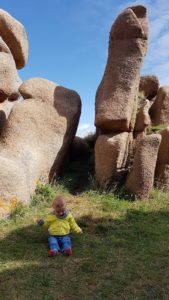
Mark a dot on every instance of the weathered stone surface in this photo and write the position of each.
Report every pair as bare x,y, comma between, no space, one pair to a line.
137,137
16,95
67,104
8,74
162,166
36,135
149,86
38,88
163,153
5,109
14,35
162,176
159,110
7,105
117,91
140,180
143,118
111,157
13,178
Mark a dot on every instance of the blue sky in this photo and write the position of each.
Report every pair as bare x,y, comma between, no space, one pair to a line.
68,42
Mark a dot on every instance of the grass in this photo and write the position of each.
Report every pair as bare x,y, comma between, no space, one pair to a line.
156,128
123,253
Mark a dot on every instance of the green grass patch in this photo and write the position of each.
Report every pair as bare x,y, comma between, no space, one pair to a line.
123,253
156,129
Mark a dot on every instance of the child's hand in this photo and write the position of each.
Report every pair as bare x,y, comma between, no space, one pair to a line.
81,231
40,222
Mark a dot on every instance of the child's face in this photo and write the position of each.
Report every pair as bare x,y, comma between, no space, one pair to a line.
59,207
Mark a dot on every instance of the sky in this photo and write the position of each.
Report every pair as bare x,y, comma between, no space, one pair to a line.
68,43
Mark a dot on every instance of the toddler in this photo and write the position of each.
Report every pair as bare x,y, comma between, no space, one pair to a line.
59,223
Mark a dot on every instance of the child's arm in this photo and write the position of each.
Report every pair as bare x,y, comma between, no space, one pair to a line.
73,225
46,223
40,222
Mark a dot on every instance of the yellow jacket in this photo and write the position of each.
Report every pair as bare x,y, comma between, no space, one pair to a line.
61,226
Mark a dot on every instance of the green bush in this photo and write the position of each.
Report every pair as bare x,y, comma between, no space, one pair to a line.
44,194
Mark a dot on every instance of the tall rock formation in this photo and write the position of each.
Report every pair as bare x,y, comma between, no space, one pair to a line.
116,96
112,158
141,178
117,92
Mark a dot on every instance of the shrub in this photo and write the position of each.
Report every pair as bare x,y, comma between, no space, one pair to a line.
44,194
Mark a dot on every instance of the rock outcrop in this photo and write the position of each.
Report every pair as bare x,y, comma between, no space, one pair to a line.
149,86
37,132
118,108
117,92
112,157
38,88
159,110
14,35
5,109
143,118
162,167
8,73
162,176
7,105
141,178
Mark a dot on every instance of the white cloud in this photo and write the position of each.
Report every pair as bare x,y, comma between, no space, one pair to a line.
84,126
159,7
163,41
85,129
157,26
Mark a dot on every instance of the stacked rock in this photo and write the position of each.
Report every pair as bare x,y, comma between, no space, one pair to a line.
121,114
13,56
36,133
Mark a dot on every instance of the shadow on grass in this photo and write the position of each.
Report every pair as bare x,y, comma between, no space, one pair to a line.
114,259
79,177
